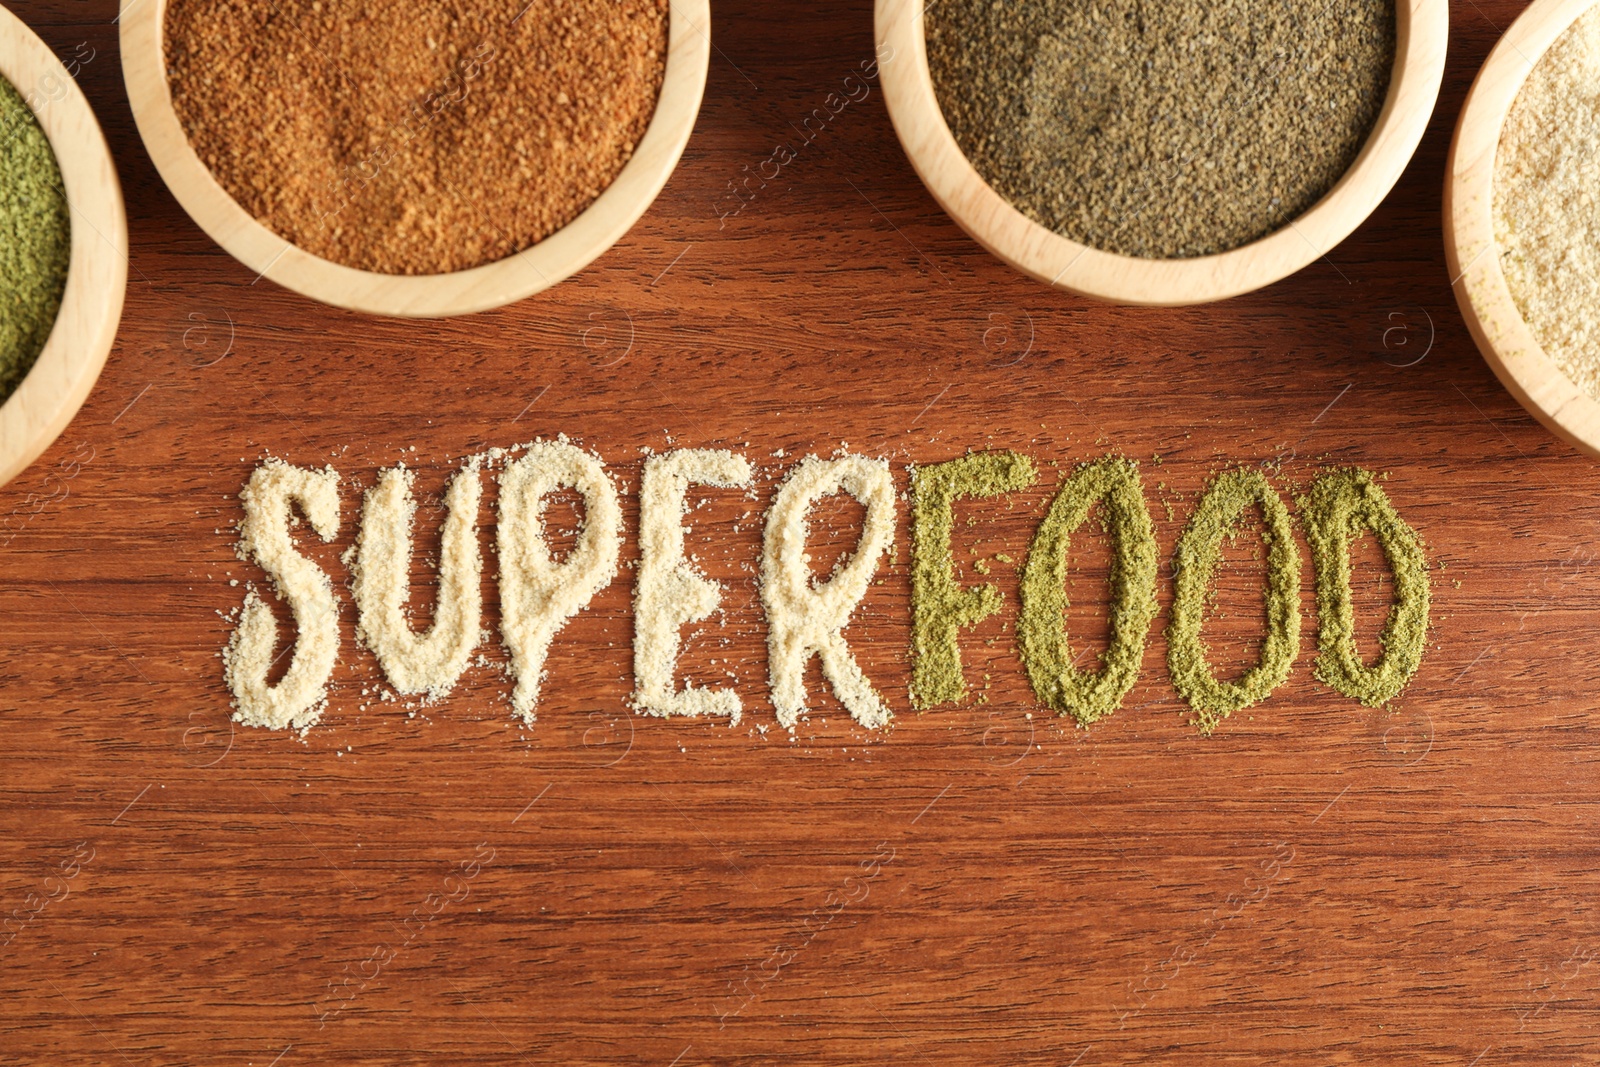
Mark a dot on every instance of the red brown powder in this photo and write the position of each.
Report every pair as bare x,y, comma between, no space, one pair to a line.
413,138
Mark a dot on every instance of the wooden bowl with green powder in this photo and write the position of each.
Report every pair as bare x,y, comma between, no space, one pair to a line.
1168,154
63,247
415,160
1522,215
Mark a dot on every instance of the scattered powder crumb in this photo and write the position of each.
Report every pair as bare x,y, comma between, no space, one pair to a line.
431,662
537,595
298,698
669,592
806,619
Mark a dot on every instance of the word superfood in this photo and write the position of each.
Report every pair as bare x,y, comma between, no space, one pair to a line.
806,617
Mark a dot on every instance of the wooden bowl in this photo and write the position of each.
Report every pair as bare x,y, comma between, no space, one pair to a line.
1472,253
97,273
1422,29
491,285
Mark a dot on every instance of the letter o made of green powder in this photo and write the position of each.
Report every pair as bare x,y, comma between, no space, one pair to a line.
1195,563
1336,508
940,606
1046,653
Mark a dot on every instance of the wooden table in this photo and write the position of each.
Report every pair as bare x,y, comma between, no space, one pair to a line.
1316,883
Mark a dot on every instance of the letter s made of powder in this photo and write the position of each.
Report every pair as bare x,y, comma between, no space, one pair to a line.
430,662
807,618
296,701
669,592
537,594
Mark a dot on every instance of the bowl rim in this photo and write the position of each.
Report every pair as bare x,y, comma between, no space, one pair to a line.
1422,31
1471,252
53,390
490,285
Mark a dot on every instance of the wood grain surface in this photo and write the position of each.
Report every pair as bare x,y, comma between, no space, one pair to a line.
1317,883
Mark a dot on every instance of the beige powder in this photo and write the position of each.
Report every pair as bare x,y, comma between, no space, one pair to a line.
1547,201
431,662
669,592
297,700
807,619
537,594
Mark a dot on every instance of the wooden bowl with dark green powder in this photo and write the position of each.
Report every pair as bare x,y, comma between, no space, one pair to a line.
63,247
1171,153
1522,239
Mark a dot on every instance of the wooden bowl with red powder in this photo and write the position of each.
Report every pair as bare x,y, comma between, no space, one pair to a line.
413,160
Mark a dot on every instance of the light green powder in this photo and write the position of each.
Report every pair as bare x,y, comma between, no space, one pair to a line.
940,606
1041,631
1338,506
1195,562
34,239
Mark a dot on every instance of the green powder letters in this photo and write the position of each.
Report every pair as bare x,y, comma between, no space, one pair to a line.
1194,564
1041,632
1336,508
941,607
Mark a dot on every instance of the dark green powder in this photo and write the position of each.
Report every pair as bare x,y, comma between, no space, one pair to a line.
1161,128
1336,509
1041,631
34,239
1195,562
940,606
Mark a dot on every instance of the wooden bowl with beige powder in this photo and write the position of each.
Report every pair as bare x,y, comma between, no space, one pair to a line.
1520,232
44,401
413,161
1004,47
